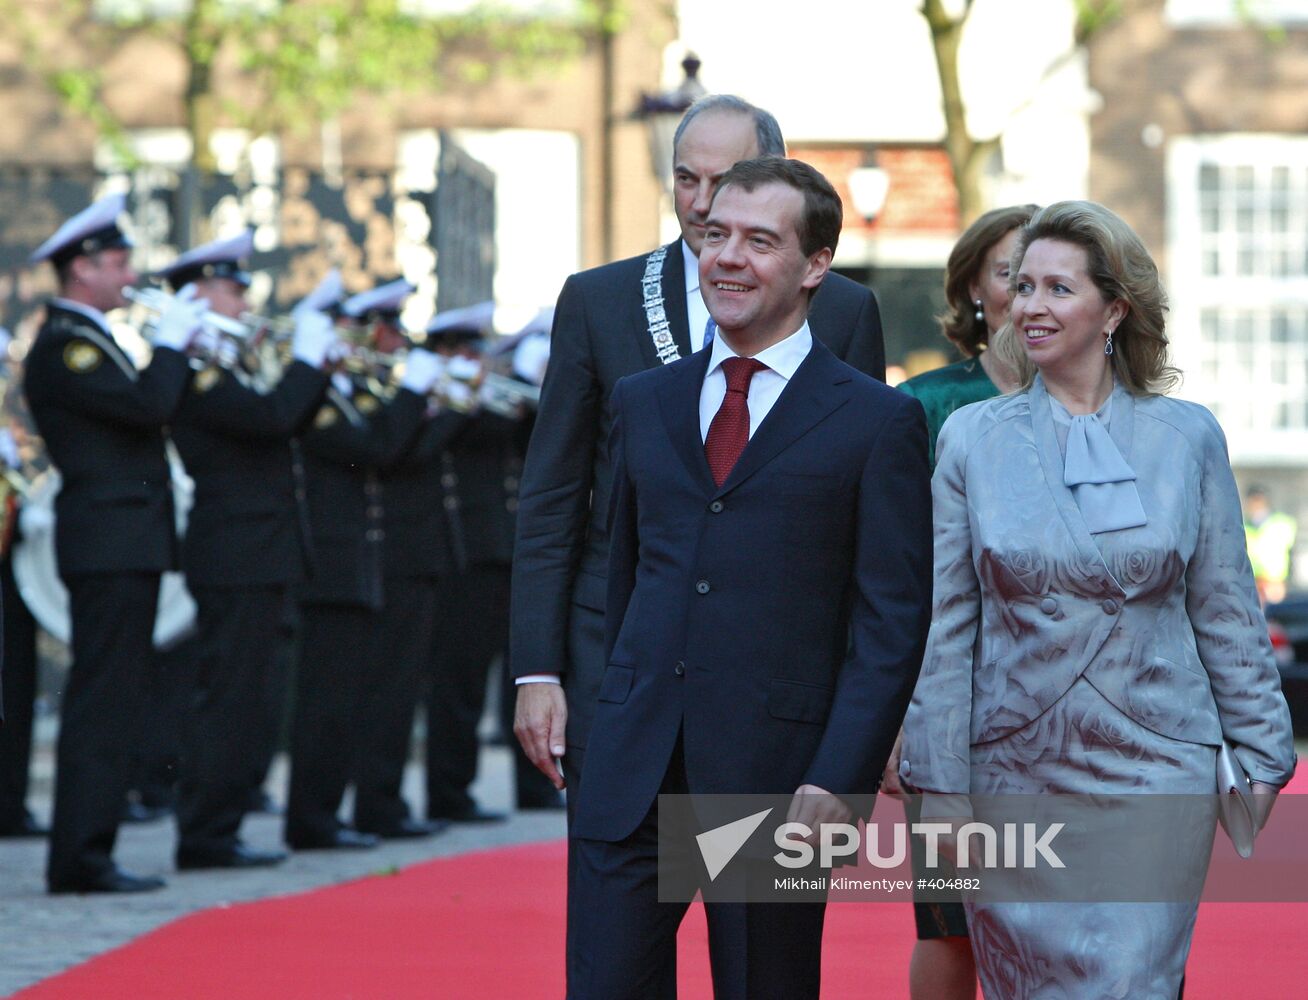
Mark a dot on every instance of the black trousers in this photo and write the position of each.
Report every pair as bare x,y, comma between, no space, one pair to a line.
172,673
233,710
394,679
20,695
101,718
622,942
338,650
472,628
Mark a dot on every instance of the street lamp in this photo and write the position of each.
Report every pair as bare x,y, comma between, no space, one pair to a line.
662,111
868,187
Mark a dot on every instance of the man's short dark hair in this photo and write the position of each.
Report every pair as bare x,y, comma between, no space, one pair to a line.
819,224
766,130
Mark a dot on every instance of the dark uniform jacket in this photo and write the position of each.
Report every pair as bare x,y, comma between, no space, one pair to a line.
418,541
247,526
347,442
479,483
103,423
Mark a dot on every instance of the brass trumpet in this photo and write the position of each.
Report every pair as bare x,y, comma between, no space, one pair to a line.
155,301
491,390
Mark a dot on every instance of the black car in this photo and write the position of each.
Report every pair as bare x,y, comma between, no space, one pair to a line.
1288,624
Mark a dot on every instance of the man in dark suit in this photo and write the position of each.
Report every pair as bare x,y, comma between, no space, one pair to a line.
769,596
103,423
610,322
244,549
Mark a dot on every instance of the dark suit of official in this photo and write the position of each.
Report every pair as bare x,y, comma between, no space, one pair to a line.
245,546
345,445
103,424
761,635
480,481
601,334
415,552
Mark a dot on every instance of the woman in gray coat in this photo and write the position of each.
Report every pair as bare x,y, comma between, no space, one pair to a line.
1096,629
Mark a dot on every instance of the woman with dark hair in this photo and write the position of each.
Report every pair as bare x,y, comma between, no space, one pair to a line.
976,292
1096,630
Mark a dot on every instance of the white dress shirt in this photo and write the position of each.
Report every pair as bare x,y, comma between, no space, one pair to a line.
697,314
782,359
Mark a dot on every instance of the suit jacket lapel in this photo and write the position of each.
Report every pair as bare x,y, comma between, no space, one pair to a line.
679,406
808,398
1051,461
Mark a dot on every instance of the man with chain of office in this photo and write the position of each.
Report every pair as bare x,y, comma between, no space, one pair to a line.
104,424
245,548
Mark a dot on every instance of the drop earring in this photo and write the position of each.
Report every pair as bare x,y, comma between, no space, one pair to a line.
980,313
1108,344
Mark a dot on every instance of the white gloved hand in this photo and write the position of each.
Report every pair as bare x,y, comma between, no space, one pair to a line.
181,321
35,520
9,449
458,396
314,337
421,370
464,369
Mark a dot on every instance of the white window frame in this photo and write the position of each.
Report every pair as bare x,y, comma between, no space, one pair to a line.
1191,292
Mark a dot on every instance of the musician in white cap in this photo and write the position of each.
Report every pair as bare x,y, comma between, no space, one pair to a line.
359,429
415,550
246,547
479,495
104,422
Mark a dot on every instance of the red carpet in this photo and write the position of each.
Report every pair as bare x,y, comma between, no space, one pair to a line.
490,925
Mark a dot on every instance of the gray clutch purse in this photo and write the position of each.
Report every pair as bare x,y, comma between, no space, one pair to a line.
1235,805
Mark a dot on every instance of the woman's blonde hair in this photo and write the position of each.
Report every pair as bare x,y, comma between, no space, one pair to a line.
1121,268
966,260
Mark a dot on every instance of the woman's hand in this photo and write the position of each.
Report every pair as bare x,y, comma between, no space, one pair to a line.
890,783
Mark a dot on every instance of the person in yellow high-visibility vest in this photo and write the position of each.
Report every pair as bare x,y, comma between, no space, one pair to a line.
1269,535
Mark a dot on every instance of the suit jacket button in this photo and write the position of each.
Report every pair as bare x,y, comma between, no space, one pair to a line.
702,587
1049,605
679,669
1110,607
717,506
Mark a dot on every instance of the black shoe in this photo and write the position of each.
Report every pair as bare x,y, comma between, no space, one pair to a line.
239,856
26,827
138,812
471,813
342,839
407,829
113,880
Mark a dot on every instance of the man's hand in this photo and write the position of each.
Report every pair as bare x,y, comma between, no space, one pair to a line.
890,783
539,722
814,806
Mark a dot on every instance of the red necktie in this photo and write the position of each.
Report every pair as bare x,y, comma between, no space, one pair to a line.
729,432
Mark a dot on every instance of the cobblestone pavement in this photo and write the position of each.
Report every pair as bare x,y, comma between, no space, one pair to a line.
41,935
